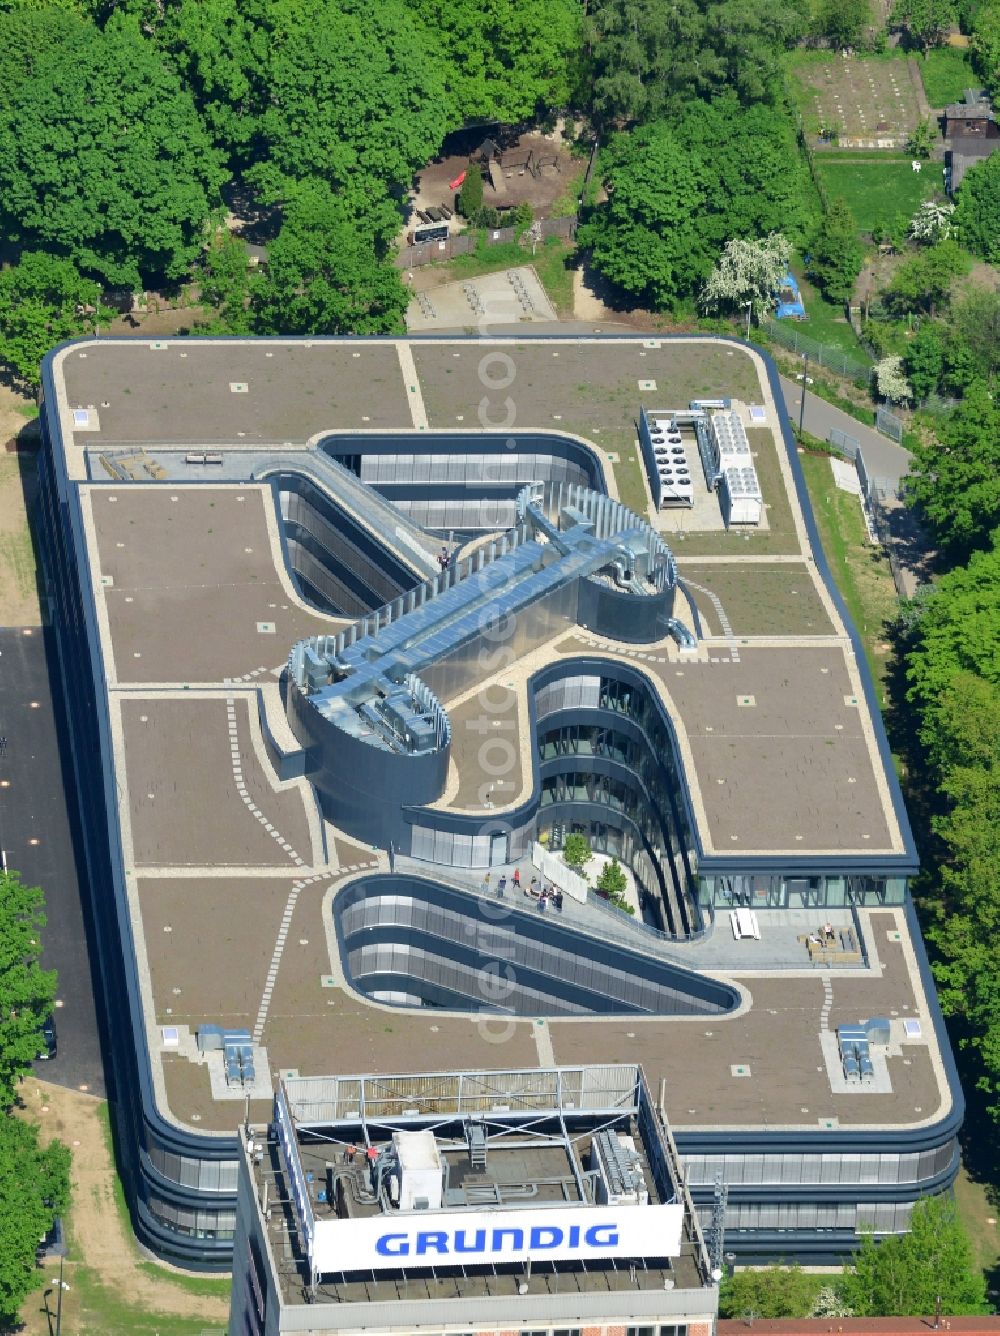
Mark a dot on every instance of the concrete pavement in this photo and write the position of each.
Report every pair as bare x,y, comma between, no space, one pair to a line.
883,458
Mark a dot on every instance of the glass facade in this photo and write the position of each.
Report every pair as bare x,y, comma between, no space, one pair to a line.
408,944
887,1167
205,1175
468,470
846,1217
197,1222
780,890
647,826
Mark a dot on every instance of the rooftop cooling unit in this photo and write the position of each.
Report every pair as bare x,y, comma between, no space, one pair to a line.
620,1180
420,1173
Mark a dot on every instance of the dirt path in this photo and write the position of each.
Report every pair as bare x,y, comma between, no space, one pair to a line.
98,1238
586,303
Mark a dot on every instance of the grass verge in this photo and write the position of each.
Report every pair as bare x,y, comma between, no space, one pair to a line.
976,1210
860,571
102,1310
552,261
825,321
631,483
208,1286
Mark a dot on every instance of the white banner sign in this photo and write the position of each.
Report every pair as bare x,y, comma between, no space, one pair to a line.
289,1145
394,1242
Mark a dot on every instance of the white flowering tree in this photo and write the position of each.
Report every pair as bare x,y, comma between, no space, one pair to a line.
892,383
828,1303
747,272
932,221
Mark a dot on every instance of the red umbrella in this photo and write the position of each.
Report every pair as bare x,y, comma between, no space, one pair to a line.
454,185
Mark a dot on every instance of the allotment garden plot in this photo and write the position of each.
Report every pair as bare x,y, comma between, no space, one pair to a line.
873,102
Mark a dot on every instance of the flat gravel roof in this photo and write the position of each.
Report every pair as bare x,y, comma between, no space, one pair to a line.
231,871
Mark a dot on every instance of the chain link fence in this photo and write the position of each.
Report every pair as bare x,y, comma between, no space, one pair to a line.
889,424
823,354
849,446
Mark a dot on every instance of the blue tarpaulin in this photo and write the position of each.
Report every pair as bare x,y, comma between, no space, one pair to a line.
789,300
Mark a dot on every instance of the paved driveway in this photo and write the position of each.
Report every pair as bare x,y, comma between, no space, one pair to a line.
883,458
36,838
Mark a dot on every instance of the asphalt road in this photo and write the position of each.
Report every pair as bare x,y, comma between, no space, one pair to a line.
36,837
883,458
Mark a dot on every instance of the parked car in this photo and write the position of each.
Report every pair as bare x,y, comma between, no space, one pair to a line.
48,1035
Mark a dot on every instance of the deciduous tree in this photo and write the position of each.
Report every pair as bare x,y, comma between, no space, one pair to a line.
222,49
924,360
922,282
842,22
103,156
926,21
836,254
226,282
985,45
951,639
748,39
749,169
772,1292
505,60
470,197
910,1274
43,300
647,237
642,55
932,221
328,272
891,382
956,479
749,272
34,1189
977,216
576,851
26,990
646,56
612,878
974,322
356,98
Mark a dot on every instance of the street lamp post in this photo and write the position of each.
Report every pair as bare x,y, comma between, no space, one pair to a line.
60,1285
802,401
749,306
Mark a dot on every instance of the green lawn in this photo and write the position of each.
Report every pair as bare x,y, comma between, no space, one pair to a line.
825,321
861,572
947,72
977,1209
877,191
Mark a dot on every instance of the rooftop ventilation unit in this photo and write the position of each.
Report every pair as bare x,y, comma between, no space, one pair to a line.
420,1172
620,1180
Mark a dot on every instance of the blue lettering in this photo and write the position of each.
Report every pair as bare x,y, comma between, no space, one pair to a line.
601,1236
516,1237
574,1236
392,1245
478,1244
432,1240
545,1236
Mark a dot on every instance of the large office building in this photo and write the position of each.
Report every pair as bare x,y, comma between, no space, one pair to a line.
471,1201
352,631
